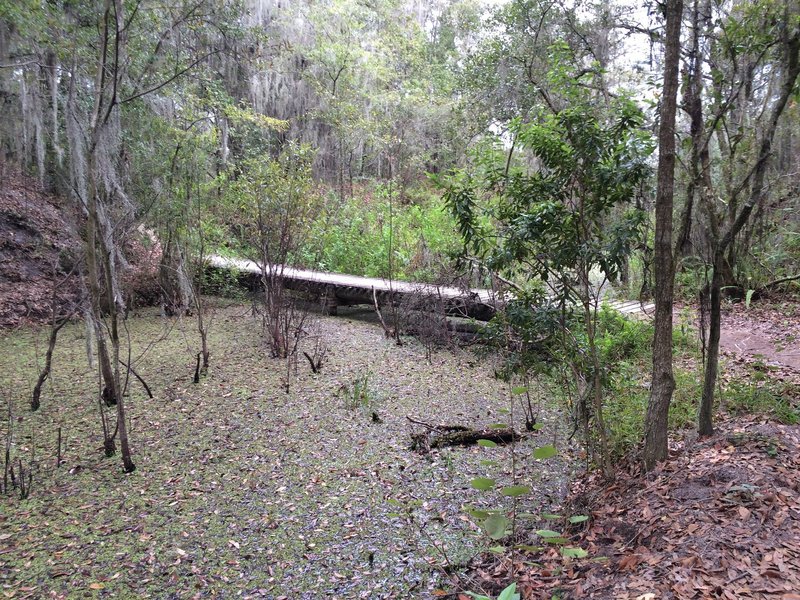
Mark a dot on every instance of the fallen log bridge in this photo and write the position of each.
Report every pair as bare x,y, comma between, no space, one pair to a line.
336,289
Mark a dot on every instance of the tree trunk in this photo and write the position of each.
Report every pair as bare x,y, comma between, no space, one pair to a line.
700,167
590,316
170,271
109,269
705,415
663,384
99,243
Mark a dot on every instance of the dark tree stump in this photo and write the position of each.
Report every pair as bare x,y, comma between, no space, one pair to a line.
441,436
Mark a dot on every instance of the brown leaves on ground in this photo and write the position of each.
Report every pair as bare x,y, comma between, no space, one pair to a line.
721,519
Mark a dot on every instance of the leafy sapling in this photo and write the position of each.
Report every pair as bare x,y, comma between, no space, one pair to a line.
509,593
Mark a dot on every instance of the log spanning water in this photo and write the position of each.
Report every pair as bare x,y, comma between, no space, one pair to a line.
337,289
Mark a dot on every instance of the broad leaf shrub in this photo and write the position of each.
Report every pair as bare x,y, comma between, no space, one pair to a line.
559,211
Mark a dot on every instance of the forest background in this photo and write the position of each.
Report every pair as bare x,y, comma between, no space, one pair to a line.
566,152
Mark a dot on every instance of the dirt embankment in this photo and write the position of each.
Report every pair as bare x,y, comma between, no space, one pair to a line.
39,246
41,253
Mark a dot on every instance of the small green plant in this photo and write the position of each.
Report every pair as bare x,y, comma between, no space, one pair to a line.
501,523
358,393
510,593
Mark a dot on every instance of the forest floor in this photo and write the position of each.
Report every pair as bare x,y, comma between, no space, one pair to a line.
244,489
721,518
767,332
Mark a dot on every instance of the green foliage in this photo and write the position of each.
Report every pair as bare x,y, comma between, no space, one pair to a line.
621,338
772,254
482,483
690,278
556,211
574,552
516,490
352,236
548,221
628,397
274,201
575,519
496,526
628,392
688,389
226,283
382,82
545,452
509,593
625,346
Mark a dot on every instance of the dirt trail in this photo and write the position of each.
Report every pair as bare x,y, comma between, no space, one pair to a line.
756,344
769,332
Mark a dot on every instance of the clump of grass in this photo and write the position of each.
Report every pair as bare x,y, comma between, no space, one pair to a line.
762,398
358,394
685,399
627,405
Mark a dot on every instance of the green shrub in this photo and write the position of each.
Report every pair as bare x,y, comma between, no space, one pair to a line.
626,404
690,278
622,337
226,283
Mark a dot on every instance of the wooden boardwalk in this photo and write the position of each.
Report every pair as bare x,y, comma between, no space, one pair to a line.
337,289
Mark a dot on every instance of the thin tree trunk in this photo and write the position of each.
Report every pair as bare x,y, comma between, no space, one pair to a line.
791,68
98,239
122,424
200,305
663,384
706,412
55,326
48,362
590,315
700,167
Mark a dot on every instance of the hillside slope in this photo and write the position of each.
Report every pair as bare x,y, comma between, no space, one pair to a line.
41,253
38,239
